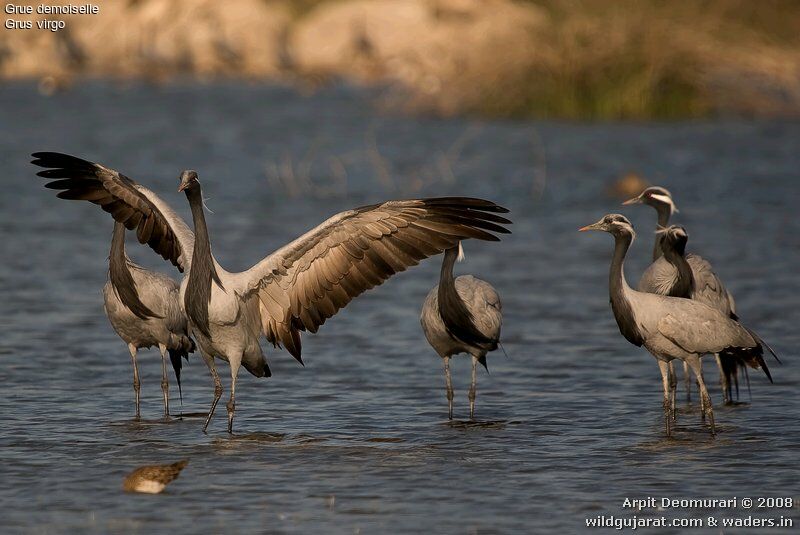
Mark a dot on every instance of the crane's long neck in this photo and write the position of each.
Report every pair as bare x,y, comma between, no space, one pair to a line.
447,282
684,284
202,270
663,222
457,318
619,290
119,274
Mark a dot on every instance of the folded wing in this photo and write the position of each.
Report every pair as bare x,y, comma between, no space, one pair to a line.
698,328
708,286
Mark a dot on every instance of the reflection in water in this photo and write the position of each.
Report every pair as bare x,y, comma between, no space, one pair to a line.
356,438
477,424
193,415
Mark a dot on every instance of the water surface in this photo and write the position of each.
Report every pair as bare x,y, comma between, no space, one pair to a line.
358,440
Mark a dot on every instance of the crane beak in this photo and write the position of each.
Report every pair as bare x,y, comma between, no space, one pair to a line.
182,186
635,200
593,226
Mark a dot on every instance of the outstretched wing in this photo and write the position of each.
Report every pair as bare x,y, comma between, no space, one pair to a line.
136,207
310,279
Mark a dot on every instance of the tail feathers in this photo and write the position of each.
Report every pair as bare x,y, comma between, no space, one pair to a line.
482,360
500,345
763,343
175,358
192,347
765,368
259,369
750,356
731,369
747,382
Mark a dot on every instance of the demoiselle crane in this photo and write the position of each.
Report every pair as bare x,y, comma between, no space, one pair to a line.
294,289
673,245
673,327
461,315
144,310
661,277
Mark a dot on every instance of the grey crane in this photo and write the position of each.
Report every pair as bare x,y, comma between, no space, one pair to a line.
661,277
673,245
461,315
144,310
294,289
673,327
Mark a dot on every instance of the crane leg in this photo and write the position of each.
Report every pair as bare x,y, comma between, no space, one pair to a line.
723,381
217,388
687,382
449,385
665,374
473,388
231,405
164,382
136,385
673,388
705,399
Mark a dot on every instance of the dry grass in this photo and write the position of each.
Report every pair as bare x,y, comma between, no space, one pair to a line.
637,59
580,59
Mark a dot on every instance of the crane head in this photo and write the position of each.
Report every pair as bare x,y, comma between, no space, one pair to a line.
615,224
657,197
188,180
674,238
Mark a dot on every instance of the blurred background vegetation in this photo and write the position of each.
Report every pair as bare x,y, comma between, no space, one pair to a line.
573,59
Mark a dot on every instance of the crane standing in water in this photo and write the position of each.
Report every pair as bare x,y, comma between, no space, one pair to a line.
673,327
461,315
144,311
661,277
296,288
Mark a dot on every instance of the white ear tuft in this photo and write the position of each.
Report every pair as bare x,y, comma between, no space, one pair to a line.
666,199
204,199
461,255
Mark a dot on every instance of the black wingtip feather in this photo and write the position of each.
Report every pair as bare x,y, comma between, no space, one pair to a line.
764,367
175,358
471,202
759,340
750,356
730,369
57,160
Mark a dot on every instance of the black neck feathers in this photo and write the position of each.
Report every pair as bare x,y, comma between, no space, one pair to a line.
674,254
202,271
456,317
120,276
663,222
623,312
